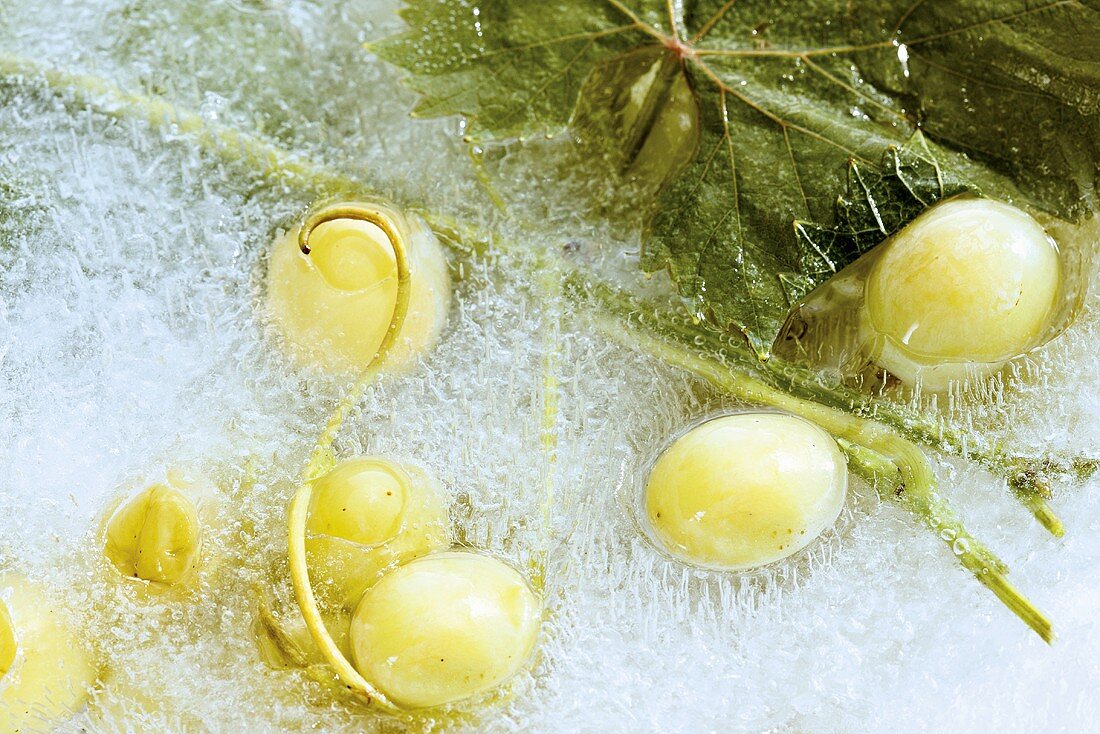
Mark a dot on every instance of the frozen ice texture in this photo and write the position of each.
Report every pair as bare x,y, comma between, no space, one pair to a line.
132,340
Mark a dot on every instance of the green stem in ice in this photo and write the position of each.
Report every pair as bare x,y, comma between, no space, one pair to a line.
1026,483
941,518
1026,480
550,287
224,142
899,468
227,142
1025,476
477,160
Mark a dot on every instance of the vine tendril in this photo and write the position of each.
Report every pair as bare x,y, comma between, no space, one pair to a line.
322,460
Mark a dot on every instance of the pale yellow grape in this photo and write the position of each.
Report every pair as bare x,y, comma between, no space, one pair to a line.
334,306
52,673
968,281
366,515
361,500
155,537
444,627
7,640
744,490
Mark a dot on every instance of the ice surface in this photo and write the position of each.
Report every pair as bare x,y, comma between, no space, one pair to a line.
132,340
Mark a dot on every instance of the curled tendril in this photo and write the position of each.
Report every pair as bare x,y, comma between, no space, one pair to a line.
321,459
358,212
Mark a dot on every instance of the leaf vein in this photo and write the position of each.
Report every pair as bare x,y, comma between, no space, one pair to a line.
713,21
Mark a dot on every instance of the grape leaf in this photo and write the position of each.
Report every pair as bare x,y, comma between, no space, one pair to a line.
511,68
795,101
877,204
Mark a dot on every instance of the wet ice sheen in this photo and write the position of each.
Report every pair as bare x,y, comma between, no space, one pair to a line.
131,341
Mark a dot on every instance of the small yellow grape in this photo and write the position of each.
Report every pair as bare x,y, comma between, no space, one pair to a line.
744,490
444,627
50,672
969,284
367,515
361,500
334,305
155,537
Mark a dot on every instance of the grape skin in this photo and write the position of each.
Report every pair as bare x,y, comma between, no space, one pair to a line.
744,490
155,537
445,627
966,286
334,305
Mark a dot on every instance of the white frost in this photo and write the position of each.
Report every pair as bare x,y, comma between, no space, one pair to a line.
131,339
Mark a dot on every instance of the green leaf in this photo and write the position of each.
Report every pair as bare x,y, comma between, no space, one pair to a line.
793,104
878,203
511,68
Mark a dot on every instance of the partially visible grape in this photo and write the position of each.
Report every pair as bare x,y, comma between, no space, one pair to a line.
674,132
334,305
744,490
444,627
7,640
50,672
361,500
155,537
286,642
367,515
969,284
642,104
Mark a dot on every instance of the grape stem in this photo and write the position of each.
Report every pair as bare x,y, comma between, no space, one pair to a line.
550,285
941,517
899,469
1025,478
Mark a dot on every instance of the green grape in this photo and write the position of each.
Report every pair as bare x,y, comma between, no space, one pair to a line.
367,515
155,537
969,284
744,490
333,306
50,672
444,627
